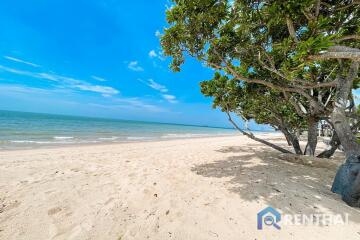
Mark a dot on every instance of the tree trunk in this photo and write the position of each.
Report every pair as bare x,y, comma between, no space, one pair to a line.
252,136
343,129
345,183
296,145
293,140
312,136
338,117
333,145
288,140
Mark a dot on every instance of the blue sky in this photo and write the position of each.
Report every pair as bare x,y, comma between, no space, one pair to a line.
97,58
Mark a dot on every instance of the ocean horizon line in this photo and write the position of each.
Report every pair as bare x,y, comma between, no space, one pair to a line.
121,119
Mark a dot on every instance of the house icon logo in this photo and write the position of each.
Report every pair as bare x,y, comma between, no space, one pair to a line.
268,216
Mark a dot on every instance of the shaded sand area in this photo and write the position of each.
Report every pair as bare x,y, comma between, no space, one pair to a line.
203,189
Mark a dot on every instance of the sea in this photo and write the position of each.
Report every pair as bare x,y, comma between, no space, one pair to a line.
23,130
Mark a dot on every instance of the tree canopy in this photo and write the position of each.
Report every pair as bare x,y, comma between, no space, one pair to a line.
305,51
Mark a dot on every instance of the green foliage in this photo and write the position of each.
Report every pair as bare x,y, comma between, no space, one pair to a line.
218,30
251,101
268,41
226,93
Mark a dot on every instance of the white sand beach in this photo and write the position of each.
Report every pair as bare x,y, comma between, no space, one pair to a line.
201,189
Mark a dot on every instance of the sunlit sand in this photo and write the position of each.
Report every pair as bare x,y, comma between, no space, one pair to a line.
205,188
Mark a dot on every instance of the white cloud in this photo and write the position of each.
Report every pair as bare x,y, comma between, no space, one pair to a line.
114,103
22,89
154,85
17,88
158,55
28,74
130,104
157,33
152,54
170,98
107,91
161,88
100,79
134,65
157,86
21,61
65,82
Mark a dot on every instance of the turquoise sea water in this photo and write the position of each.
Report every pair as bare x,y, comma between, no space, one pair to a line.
19,130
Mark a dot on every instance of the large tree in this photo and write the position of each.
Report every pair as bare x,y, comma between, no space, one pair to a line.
308,50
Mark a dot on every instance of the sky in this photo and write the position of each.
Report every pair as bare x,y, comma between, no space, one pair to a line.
98,58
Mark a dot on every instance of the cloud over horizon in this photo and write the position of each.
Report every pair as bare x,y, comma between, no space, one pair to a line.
152,54
157,86
160,88
100,79
158,55
134,66
65,82
21,61
170,98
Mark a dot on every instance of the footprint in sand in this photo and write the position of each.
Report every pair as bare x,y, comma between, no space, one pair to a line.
54,210
6,207
109,201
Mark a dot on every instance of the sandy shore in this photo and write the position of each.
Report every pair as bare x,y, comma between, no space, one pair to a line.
206,188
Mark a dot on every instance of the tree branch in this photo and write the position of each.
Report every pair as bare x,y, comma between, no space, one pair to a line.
339,8
349,37
329,97
296,89
336,55
291,28
354,2
317,8
252,136
338,52
294,104
305,85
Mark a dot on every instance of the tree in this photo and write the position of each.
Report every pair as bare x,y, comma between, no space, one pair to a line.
255,102
310,50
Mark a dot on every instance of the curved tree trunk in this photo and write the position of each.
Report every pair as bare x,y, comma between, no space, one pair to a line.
296,145
333,145
252,136
312,136
344,182
293,140
287,139
339,118
345,134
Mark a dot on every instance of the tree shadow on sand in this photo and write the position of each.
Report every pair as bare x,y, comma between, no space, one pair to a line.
258,174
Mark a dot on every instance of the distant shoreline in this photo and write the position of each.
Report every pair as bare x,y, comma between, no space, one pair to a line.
21,130
75,145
